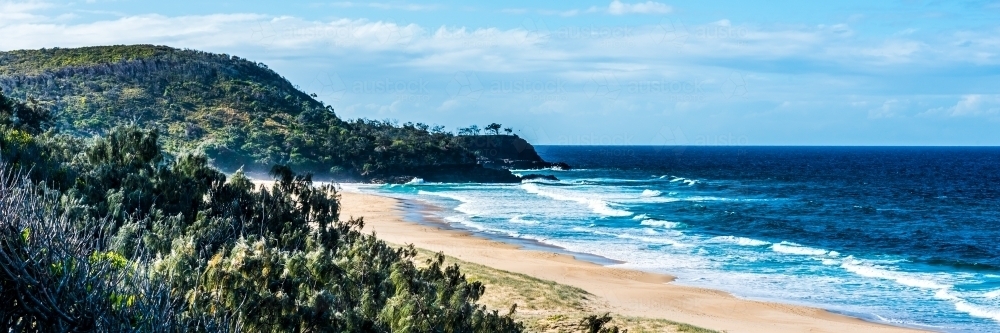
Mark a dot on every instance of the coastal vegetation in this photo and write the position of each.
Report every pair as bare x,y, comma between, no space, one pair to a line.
236,112
111,234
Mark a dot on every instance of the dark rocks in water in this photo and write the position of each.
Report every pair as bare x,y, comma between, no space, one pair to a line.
469,174
506,152
458,173
560,166
537,176
525,165
390,179
472,173
496,155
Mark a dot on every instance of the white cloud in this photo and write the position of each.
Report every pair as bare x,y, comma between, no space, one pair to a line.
391,108
212,32
891,108
386,6
184,31
649,7
970,106
22,12
449,105
895,51
530,47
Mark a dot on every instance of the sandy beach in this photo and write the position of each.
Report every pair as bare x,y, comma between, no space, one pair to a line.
622,291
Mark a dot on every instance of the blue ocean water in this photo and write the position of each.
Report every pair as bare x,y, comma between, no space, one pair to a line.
906,236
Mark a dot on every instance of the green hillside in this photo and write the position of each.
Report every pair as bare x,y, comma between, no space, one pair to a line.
238,112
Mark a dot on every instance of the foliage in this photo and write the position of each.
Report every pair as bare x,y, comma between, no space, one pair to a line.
55,277
113,234
494,127
237,112
24,128
595,324
30,116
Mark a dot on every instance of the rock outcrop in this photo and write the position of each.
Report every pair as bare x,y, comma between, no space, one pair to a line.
506,152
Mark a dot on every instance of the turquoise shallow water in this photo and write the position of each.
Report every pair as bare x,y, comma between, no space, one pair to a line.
906,236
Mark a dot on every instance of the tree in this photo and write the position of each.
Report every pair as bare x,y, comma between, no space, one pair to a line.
508,130
494,127
30,116
595,324
474,129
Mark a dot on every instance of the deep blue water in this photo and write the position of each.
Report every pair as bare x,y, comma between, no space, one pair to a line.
903,235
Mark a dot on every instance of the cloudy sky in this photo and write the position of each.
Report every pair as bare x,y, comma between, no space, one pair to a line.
596,72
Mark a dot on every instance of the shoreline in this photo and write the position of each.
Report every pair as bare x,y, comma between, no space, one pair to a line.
626,292
421,212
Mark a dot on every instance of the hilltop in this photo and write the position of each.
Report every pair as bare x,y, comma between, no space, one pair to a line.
236,111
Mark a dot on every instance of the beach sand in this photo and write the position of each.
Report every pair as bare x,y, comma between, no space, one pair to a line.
621,292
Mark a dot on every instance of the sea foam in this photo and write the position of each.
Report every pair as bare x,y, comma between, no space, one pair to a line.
687,181
868,270
964,306
742,241
598,206
465,206
659,223
650,193
519,219
942,291
444,195
654,240
874,285
977,311
792,248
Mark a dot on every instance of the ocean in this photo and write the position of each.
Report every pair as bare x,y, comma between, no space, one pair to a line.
908,236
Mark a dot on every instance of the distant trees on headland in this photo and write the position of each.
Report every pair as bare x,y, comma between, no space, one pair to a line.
492,127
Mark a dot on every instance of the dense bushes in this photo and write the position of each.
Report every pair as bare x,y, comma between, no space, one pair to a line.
55,275
111,234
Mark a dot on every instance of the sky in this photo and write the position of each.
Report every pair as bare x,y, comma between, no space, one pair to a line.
596,72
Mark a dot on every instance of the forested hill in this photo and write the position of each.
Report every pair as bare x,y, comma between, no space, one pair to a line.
238,112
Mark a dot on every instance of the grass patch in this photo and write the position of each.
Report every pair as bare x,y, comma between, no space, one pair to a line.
547,306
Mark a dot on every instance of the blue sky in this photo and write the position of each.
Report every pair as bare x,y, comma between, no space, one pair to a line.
597,72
